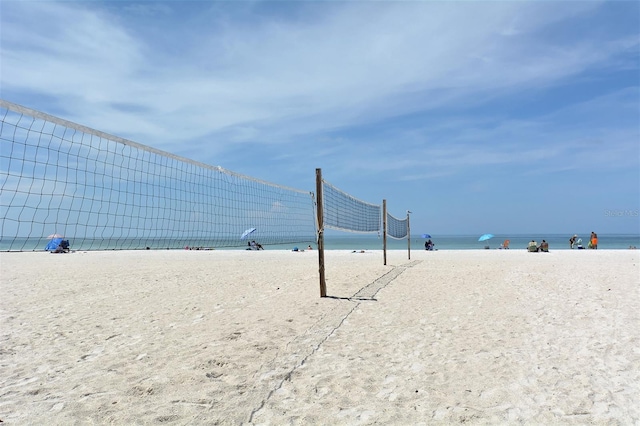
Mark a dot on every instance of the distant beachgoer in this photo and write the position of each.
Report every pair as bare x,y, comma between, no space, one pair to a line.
533,246
544,246
309,247
572,241
255,246
63,247
593,241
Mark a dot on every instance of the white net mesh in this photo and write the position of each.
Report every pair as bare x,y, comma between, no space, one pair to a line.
397,228
104,192
343,212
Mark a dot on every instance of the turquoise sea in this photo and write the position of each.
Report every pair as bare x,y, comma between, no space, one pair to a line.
345,241
470,242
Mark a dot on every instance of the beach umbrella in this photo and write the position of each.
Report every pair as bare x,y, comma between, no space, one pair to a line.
426,236
485,237
53,244
247,232
49,237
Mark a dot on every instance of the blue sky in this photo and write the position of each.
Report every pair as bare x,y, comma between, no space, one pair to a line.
502,117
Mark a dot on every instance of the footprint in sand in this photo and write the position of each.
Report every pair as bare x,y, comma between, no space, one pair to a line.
96,351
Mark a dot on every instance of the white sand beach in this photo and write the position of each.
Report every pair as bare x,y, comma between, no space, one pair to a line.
237,337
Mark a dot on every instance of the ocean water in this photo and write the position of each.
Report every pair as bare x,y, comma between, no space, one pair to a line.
347,241
470,242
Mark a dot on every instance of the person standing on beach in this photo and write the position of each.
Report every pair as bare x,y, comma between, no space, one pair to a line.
593,242
572,241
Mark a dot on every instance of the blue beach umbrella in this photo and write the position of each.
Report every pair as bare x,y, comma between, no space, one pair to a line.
485,237
426,236
53,244
247,232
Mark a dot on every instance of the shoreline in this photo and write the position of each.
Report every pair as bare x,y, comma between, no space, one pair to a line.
345,242
334,250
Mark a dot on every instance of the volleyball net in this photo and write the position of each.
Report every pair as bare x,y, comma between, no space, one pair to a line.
343,212
397,229
104,192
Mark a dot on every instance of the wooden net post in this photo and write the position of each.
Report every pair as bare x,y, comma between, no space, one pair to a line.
384,231
408,235
319,213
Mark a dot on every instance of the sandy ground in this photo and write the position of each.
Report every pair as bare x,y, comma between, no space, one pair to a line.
236,337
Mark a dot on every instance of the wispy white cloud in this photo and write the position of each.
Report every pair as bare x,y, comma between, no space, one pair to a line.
367,87
339,70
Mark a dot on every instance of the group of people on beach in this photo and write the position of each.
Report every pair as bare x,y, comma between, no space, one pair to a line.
297,249
254,246
576,242
428,245
63,247
534,247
